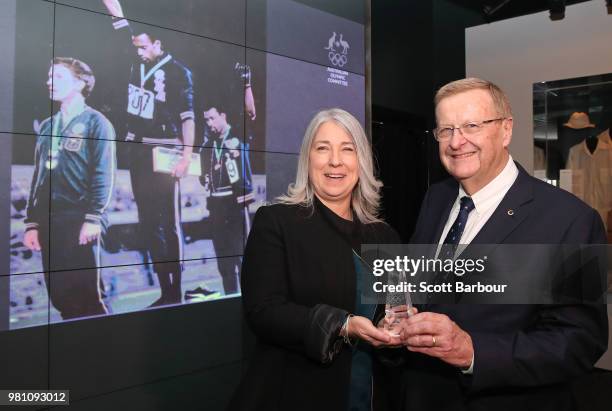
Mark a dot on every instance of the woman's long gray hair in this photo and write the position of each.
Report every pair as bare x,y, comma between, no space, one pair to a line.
365,199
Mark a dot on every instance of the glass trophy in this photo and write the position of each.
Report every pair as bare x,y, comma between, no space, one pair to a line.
398,304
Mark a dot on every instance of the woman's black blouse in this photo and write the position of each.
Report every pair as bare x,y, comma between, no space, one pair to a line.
298,286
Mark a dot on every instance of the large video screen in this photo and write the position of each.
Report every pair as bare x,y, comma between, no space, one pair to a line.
141,137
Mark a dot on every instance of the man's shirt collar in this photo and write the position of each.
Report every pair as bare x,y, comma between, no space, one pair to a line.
499,186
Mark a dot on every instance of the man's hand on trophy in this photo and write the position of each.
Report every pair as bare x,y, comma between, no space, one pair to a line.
438,336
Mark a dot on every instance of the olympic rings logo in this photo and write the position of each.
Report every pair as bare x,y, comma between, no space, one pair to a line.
337,59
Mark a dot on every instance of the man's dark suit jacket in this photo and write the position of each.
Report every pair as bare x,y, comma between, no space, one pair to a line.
525,355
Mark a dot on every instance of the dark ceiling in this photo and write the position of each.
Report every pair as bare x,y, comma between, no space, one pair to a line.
494,10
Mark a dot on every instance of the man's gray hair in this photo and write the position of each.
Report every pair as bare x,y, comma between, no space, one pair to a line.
500,99
365,198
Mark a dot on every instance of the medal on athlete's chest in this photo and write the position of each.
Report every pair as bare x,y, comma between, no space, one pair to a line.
231,166
66,134
141,102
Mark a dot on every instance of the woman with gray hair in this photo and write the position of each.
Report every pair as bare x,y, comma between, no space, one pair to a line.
300,278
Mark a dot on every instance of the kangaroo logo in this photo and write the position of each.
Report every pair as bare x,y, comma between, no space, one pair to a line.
337,49
331,43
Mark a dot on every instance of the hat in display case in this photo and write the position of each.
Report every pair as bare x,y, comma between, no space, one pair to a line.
579,120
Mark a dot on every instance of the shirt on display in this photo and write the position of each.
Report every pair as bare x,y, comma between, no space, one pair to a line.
591,174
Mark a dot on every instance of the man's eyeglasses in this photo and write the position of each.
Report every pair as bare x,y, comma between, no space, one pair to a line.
467,129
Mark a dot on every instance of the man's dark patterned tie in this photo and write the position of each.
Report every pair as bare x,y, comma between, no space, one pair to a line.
451,242
454,234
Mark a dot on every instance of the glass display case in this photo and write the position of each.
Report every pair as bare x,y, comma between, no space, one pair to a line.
572,143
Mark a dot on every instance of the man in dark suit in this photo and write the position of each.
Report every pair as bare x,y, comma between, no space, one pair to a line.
494,357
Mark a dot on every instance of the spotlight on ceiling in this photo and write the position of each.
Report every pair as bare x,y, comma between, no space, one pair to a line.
557,9
609,6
